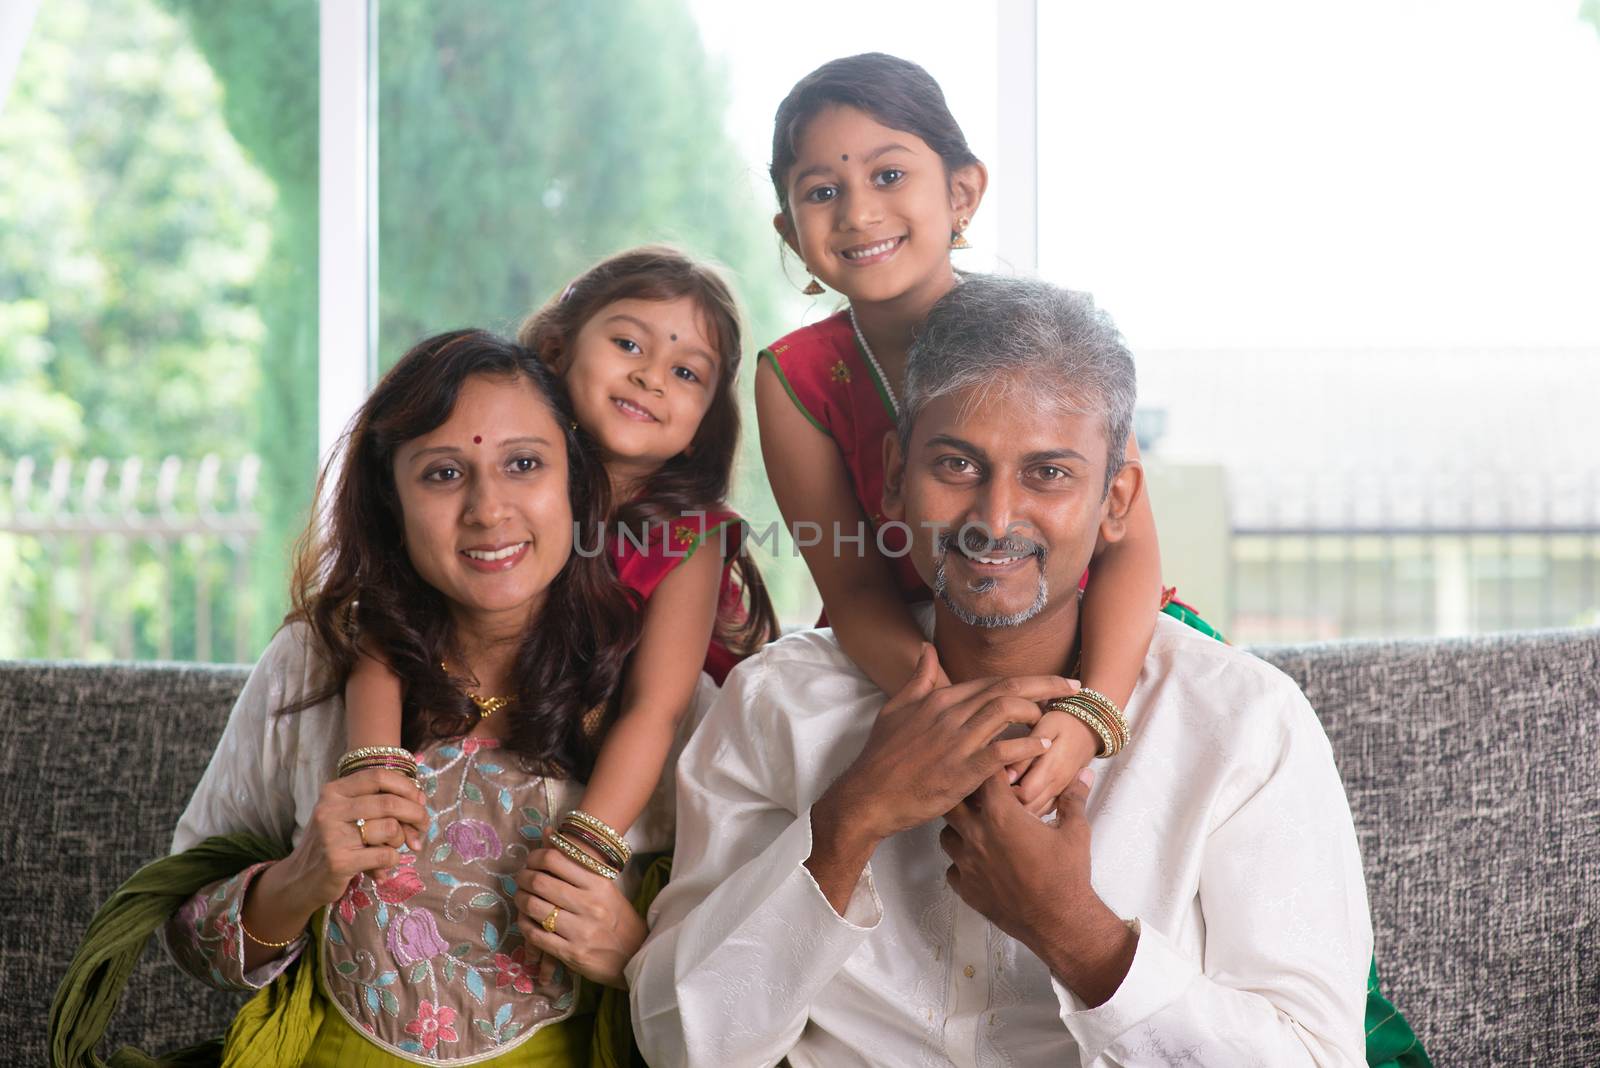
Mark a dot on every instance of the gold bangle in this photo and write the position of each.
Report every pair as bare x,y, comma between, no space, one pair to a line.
378,750
1115,725
573,853
374,756
603,829
580,835
1106,705
380,763
374,761
1090,717
261,942
1107,710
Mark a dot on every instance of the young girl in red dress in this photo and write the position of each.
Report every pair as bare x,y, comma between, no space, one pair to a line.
648,345
875,186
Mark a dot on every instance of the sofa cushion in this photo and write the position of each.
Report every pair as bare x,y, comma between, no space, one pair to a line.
1471,765
96,764
1473,770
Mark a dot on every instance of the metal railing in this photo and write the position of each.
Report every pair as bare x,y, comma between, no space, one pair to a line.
140,560
127,559
1397,556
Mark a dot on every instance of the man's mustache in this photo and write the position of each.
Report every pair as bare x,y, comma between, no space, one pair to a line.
975,540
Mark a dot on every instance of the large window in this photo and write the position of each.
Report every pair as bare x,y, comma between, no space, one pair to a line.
1355,251
157,326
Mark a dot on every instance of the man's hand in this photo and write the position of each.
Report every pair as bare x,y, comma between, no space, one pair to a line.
1032,881
930,747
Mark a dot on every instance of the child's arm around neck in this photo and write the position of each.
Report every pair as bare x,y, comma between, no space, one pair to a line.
1121,602
811,485
372,702
660,682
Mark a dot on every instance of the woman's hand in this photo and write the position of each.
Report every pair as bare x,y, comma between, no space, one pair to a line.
596,930
334,849
282,899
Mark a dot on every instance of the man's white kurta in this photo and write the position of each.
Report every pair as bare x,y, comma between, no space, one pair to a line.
1222,829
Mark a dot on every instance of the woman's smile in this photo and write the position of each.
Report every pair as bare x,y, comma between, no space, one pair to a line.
494,558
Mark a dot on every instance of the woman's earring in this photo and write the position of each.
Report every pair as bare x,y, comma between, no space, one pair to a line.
813,288
959,238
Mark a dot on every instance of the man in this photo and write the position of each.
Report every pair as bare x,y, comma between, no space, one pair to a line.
855,881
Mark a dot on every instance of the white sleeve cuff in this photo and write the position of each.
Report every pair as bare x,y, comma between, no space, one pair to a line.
1157,977
864,909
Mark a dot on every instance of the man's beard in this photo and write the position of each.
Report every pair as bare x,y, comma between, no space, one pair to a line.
978,542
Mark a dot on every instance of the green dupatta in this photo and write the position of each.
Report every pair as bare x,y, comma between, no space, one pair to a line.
273,1028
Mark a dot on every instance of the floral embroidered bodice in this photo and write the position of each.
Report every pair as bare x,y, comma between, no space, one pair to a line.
426,958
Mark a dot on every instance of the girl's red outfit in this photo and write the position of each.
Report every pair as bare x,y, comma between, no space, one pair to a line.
836,388
645,557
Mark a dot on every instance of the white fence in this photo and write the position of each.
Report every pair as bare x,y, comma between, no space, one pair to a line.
128,558
136,559
1387,554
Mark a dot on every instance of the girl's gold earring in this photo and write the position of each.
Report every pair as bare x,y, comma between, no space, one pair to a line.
813,288
959,238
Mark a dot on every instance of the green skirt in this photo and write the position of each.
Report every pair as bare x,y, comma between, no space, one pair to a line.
558,1045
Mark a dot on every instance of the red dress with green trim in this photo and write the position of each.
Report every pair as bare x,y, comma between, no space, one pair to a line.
835,387
645,557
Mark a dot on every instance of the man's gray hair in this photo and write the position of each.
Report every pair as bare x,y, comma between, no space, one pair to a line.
1033,344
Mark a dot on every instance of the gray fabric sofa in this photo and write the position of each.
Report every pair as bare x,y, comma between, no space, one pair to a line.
1473,769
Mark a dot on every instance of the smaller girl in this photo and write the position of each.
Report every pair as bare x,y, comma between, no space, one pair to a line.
876,185
648,345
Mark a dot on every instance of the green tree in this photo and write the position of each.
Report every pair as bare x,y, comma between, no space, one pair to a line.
265,55
517,142
131,234
520,141
158,223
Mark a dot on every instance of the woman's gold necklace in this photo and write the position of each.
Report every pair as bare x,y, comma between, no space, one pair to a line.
487,706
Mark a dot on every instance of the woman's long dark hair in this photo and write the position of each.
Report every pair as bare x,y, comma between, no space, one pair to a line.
698,479
353,576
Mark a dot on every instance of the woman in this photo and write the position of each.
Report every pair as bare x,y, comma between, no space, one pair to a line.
426,906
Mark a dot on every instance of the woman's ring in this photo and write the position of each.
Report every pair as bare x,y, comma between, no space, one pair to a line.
361,827
549,923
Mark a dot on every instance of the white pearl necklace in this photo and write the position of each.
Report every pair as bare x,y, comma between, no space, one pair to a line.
861,339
